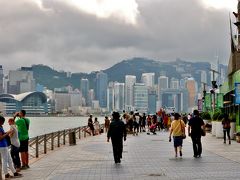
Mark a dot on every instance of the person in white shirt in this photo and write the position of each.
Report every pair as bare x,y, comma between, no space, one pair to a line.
96,126
15,144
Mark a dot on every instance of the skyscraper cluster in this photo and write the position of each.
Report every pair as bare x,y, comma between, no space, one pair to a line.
147,94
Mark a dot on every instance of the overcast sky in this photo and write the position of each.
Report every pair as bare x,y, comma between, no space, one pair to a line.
89,35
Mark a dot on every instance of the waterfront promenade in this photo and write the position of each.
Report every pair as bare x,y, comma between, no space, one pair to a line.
144,157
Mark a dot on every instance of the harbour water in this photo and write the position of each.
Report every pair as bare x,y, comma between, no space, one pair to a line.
44,125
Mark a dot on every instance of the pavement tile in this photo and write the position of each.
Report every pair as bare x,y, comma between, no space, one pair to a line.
145,157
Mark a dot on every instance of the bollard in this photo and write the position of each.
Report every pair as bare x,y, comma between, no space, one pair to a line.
72,138
37,149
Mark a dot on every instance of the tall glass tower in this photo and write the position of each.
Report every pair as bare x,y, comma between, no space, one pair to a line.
101,90
85,90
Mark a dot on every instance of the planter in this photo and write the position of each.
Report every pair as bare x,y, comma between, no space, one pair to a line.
206,121
219,129
208,128
208,125
214,128
233,130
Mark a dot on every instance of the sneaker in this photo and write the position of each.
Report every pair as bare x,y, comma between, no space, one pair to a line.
224,142
229,142
23,167
16,174
27,166
8,176
180,152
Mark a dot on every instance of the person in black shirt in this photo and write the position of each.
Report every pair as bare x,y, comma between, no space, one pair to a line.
90,124
195,127
117,132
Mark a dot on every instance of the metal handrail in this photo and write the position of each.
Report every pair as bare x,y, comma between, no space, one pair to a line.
42,144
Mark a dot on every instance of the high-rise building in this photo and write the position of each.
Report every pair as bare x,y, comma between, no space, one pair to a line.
21,81
152,101
162,85
174,83
110,97
91,96
129,82
163,82
204,76
65,100
84,89
140,97
175,99
119,96
1,80
102,84
191,87
148,79
182,83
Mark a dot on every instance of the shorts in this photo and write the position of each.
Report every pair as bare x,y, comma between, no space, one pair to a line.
177,141
23,146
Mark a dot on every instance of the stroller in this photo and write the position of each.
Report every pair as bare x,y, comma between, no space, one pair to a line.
152,129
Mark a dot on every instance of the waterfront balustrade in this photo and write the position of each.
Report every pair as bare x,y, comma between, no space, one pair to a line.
42,144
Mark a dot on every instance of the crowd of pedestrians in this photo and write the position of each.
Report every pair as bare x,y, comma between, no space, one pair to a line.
175,123
16,140
118,125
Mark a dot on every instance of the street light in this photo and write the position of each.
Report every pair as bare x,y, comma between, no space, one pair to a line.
214,87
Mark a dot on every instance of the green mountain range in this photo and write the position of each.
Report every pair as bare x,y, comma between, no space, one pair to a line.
51,78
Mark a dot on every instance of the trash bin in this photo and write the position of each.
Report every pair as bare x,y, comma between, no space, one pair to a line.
72,138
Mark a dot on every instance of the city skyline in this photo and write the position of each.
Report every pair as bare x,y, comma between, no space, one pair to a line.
71,36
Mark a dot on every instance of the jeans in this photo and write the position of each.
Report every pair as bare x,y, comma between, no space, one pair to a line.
226,131
6,160
15,156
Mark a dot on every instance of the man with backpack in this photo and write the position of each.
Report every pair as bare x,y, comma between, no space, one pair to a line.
23,127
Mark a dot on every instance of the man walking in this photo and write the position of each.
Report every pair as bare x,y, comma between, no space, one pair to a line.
23,126
117,132
195,127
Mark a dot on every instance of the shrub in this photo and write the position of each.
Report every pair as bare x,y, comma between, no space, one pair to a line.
205,115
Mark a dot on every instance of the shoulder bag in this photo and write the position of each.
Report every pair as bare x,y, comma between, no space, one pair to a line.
183,132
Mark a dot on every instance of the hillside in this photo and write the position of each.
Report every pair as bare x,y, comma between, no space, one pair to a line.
51,78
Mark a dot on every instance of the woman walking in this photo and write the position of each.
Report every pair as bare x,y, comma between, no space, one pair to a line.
226,128
178,131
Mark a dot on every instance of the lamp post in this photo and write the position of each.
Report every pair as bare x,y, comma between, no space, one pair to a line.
204,94
214,87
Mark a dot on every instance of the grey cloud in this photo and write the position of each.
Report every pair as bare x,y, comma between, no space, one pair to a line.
65,38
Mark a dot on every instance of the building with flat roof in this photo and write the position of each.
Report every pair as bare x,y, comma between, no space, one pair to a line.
130,80
21,81
140,97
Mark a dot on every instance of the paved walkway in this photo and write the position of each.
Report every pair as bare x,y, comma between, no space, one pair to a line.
145,157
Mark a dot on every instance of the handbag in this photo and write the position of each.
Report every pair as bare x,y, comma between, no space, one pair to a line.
203,132
183,132
8,140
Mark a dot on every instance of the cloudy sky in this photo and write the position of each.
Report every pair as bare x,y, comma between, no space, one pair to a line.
89,35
